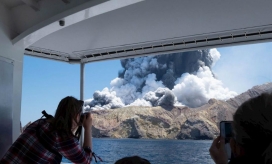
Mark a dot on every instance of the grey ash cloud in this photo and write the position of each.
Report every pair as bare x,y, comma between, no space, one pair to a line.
173,79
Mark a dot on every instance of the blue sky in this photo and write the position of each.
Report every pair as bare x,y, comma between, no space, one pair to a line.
241,67
46,82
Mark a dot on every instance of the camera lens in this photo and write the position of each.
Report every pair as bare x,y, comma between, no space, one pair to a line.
82,115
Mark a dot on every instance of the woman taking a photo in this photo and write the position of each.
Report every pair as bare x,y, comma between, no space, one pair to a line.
252,134
47,140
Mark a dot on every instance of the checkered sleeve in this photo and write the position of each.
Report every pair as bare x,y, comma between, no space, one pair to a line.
72,150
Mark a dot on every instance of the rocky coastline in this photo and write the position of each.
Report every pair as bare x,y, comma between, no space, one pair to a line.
170,122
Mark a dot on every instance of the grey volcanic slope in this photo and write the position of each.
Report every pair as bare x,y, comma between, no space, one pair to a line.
253,92
174,123
156,122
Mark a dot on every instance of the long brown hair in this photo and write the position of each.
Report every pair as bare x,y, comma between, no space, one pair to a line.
253,128
67,111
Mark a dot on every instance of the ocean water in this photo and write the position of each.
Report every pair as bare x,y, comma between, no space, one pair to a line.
156,151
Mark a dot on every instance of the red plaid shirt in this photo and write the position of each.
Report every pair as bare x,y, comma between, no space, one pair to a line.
28,148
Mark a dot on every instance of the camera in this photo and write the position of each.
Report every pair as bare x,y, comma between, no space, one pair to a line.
226,132
82,115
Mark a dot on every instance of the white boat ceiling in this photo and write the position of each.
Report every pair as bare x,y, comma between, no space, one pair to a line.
126,28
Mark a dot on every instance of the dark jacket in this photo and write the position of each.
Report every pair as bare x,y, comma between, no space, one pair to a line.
243,160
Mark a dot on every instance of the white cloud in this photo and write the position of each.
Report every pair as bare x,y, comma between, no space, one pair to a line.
196,90
215,55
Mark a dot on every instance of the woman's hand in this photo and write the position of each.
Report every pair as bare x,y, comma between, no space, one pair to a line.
217,151
87,124
87,121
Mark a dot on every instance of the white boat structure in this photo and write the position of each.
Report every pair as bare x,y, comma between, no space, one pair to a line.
83,31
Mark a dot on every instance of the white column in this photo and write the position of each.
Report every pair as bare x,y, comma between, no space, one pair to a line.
82,66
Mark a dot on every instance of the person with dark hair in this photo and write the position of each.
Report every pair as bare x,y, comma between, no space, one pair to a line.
47,140
132,160
252,134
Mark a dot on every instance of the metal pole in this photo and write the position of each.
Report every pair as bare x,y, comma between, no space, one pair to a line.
82,65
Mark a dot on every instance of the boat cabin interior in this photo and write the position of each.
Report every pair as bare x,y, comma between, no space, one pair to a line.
84,31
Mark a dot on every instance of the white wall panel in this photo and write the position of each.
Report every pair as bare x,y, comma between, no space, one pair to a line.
6,100
9,52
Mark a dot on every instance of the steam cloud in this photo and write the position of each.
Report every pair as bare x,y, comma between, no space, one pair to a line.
174,79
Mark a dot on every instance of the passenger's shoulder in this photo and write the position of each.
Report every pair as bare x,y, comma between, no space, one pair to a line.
36,123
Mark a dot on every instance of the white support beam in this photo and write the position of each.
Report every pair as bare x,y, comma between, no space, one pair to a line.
33,4
82,69
82,72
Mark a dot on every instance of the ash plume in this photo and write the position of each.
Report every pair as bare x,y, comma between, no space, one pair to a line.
167,68
183,78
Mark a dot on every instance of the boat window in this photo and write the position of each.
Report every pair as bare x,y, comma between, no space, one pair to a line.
163,108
